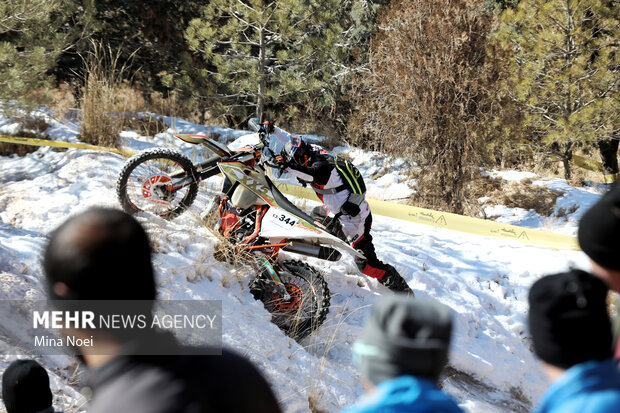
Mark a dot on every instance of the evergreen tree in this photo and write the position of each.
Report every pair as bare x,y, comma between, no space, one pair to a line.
33,34
359,22
565,64
149,38
265,54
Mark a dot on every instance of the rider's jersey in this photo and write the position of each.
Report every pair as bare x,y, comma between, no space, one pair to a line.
322,176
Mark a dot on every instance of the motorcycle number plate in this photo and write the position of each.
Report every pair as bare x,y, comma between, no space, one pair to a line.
283,219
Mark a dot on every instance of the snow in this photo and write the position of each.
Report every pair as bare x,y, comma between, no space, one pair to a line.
484,280
517,176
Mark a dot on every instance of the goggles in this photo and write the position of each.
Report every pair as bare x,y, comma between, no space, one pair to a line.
292,147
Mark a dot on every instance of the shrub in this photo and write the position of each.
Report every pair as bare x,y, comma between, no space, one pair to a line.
429,93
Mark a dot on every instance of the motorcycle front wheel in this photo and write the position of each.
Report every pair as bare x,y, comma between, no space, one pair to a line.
308,305
159,181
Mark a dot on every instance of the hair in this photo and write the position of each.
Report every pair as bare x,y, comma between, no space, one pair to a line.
26,387
100,254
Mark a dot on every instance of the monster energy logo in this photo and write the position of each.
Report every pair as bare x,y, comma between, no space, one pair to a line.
351,174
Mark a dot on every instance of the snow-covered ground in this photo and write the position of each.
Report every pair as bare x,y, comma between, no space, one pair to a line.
484,280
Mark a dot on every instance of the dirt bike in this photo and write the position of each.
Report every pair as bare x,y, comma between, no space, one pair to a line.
253,216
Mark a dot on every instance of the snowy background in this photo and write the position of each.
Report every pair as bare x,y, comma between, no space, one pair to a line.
484,280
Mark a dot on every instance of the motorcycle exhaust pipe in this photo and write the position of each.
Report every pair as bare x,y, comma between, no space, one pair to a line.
312,250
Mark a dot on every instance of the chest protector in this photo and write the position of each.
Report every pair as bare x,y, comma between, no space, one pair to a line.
350,175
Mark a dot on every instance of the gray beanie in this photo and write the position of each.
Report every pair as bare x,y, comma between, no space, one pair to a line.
599,231
404,336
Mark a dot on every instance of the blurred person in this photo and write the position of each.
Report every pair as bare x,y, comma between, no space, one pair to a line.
401,353
599,238
571,332
26,388
105,254
313,165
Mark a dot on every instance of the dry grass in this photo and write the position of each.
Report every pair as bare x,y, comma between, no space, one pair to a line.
563,212
530,197
581,176
496,191
320,349
320,344
105,95
144,125
224,250
472,385
175,106
544,164
314,403
63,101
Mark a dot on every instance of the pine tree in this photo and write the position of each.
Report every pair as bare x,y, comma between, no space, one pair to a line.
33,34
263,54
565,64
148,36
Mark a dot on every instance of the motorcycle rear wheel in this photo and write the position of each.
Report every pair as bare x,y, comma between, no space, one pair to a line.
309,303
145,183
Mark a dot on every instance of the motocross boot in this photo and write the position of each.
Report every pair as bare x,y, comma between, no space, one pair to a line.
386,274
395,282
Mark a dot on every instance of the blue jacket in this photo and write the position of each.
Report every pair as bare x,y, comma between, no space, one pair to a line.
590,387
406,394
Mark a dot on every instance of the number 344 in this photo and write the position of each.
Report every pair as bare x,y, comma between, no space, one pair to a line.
285,219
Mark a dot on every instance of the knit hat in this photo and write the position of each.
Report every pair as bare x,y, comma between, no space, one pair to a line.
599,231
26,387
568,319
404,336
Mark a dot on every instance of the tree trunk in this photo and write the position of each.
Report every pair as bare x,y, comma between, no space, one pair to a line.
567,156
261,73
609,155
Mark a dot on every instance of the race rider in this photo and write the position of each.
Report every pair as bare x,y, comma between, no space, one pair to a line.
313,165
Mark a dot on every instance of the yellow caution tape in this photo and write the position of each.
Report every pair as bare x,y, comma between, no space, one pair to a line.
588,164
612,178
388,209
59,144
452,221
594,166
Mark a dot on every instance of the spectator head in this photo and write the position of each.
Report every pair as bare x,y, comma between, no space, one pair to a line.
568,319
599,238
404,336
99,254
26,387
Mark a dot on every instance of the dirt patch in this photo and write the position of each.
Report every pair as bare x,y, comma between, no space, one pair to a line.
144,125
512,399
528,196
33,128
523,194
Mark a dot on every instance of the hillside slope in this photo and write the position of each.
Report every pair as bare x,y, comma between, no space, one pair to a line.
484,280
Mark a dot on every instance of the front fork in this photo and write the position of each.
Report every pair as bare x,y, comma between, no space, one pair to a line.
180,179
271,277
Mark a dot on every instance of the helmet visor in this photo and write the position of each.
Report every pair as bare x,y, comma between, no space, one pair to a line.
292,147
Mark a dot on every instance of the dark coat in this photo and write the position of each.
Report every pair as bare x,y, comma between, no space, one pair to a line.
181,383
